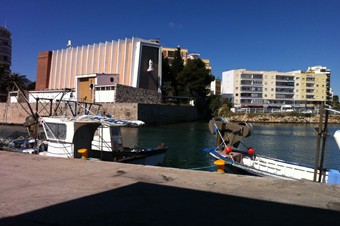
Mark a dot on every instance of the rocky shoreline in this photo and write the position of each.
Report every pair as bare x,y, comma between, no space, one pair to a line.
281,118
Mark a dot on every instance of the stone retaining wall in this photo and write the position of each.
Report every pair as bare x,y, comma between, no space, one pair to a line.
281,118
14,113
128,94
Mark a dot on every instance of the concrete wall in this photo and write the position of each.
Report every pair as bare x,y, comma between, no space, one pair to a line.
149,113
156,114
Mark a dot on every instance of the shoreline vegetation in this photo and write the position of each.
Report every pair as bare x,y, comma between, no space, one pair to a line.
291,117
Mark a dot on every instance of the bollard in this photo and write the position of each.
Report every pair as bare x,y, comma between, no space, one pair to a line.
220,165
84,153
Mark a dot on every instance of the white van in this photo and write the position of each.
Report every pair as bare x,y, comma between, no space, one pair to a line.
287,108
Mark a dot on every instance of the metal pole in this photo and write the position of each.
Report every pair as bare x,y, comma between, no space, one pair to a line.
317,152
36,120
51,103
324,136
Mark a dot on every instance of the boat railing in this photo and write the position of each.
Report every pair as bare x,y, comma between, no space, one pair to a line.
282,168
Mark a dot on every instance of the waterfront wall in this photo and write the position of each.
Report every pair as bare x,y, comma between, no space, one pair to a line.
15,113
128,94
281,118
156,114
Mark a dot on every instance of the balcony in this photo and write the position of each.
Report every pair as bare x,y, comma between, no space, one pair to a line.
284,84
285,78
251,76
251,84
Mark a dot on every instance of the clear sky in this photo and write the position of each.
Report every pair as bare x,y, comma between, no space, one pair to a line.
280,35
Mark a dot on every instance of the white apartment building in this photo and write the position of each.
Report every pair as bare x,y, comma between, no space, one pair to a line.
273,89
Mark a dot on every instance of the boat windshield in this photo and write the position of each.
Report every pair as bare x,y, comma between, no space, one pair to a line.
55,131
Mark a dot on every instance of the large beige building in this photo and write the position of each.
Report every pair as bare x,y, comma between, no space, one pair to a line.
274,89
131,62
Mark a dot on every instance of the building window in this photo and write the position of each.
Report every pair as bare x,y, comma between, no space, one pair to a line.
171,53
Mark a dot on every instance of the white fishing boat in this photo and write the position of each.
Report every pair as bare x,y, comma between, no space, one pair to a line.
94,137
228,141
265,166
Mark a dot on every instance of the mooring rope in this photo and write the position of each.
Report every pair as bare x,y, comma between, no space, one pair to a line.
199,168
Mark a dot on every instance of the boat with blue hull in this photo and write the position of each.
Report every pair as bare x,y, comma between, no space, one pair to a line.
231,149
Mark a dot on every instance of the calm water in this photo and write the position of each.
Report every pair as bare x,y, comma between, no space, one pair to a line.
185,141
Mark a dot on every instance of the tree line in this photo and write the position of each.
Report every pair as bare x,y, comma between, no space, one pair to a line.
191,80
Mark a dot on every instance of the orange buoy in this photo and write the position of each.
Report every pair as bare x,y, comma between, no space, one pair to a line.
251,151
228,149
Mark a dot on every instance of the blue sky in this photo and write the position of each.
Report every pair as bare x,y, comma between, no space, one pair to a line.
282,35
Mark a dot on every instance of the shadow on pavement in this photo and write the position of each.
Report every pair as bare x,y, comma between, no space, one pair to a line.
151,204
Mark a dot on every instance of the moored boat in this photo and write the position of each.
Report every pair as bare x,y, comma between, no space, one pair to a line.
231,149
94,137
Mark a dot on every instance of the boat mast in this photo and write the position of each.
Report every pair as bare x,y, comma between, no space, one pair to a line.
322,132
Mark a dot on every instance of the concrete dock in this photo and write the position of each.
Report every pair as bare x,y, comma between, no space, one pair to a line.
37,190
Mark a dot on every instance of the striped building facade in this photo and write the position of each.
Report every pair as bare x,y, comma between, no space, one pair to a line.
128,58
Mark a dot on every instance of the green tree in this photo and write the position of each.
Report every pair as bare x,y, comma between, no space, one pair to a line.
219,105
177,66
167,78
194,79
31,86
7,82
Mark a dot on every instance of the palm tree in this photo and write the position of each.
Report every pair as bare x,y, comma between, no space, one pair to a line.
8,82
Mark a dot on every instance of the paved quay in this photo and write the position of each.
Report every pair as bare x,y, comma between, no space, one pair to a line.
38,190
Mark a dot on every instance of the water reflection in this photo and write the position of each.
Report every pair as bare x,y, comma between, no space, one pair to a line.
294,142
185,142
291,142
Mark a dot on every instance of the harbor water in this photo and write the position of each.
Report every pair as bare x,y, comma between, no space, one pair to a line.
186,141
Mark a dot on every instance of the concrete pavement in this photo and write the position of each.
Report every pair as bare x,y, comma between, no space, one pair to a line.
37,190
